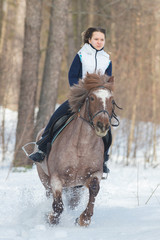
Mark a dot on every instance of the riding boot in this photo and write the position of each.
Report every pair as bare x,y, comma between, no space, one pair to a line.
37,156
107,140
106,158
42,149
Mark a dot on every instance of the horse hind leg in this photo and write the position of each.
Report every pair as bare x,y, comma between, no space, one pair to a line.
85,217
57,205
73,196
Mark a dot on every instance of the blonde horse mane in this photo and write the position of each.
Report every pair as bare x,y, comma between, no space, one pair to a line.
80,91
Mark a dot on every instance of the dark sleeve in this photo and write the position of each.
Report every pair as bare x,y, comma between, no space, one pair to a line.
109,70
75,72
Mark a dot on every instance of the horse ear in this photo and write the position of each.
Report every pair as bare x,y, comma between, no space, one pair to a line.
87,73
111,79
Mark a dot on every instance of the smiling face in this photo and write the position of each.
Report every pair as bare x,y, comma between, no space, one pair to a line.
97,40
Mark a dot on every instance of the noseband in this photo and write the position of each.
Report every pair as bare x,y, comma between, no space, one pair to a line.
91,118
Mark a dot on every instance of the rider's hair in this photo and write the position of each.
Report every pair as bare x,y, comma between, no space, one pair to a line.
88,33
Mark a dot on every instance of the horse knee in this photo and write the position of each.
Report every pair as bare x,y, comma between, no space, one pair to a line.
56,184
94,186
57,205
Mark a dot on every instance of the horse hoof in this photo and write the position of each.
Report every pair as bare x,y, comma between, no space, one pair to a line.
52,220
81,223
77,222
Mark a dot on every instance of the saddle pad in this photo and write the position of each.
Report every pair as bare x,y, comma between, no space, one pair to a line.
61,129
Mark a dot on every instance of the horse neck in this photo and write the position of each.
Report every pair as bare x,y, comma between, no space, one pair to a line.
81,136
82,127
84,114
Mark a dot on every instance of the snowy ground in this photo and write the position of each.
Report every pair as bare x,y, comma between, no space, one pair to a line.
121,212
127,207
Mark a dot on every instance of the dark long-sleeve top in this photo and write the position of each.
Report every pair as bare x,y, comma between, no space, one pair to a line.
75,72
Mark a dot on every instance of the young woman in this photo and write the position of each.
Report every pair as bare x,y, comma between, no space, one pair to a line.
90,58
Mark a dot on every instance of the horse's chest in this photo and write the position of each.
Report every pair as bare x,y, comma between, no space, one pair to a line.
84,142
82,149
76,152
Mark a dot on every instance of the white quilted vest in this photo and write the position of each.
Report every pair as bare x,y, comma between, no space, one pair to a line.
92,60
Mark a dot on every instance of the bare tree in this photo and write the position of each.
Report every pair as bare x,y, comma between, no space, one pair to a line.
52,68
7,33
1,16
29,78
70,34
91,9
155,74
11,45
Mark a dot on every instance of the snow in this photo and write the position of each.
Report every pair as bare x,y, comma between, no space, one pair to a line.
126,208
120,210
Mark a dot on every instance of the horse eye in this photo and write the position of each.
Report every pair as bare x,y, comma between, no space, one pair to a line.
92,98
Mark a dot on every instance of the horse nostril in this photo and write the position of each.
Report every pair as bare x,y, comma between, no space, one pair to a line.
100,125
107,126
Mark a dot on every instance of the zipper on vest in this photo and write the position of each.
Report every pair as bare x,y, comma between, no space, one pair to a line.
96,60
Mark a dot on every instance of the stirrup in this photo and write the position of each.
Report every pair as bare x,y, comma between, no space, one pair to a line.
24,148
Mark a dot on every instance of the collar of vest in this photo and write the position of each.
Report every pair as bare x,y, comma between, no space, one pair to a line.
88,48
95,48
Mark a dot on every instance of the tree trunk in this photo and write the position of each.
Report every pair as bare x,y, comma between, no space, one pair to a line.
29,78
5,48
11,52
91,16
3,21
53,61
135,104
70,35
16,57
156,74
1,16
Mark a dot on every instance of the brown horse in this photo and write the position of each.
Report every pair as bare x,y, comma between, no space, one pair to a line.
76,156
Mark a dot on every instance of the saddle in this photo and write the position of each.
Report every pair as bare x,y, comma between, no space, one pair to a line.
45,142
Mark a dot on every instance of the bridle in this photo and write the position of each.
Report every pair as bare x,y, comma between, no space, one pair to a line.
114,114
91,118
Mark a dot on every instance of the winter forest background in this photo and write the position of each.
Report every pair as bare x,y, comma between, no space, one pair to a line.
38,41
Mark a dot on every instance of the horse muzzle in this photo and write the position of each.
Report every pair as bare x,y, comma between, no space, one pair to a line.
101,129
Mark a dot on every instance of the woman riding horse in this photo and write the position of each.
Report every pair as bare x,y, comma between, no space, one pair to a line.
90,58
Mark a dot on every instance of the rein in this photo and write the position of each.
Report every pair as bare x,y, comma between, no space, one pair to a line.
114,114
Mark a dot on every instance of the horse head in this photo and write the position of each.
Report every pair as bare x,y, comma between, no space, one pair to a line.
99,109
95,91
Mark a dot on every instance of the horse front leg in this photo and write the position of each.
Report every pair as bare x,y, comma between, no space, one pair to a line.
57,205
85,217
45,180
